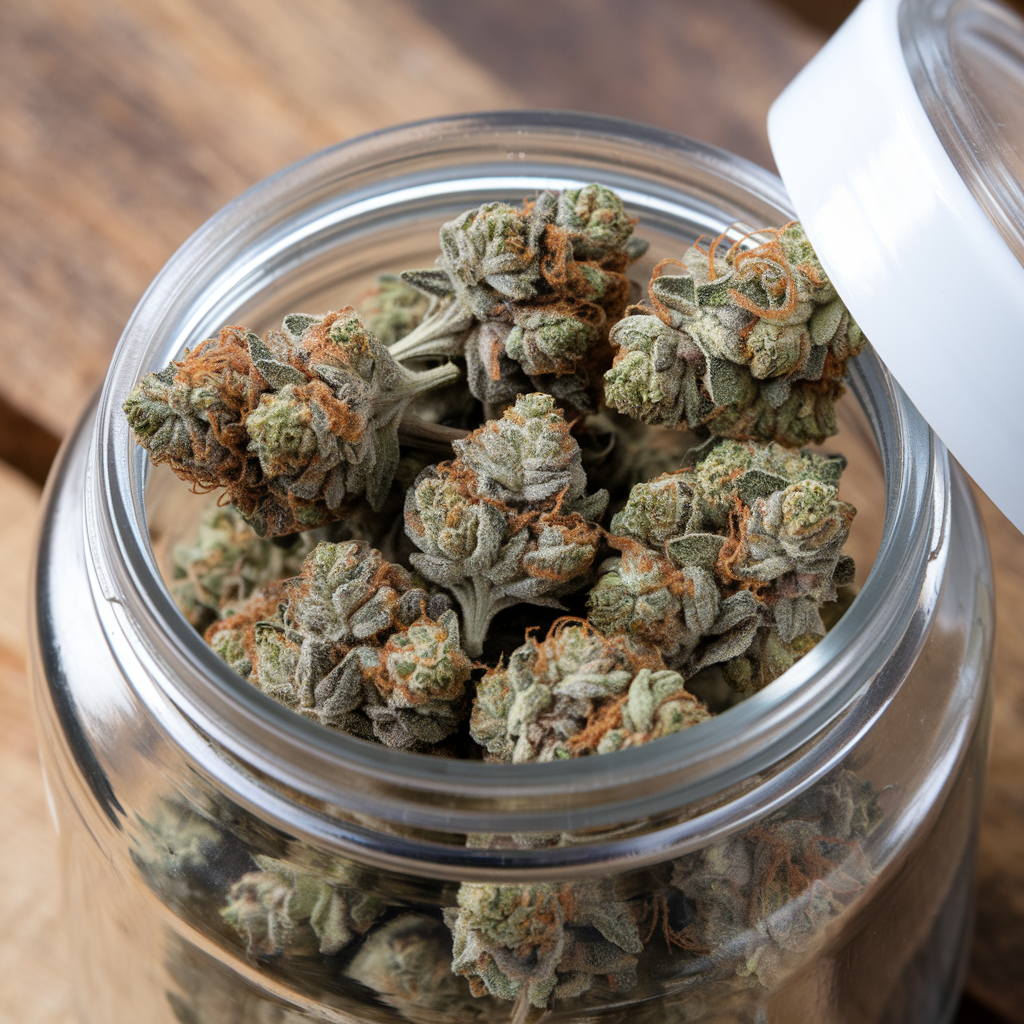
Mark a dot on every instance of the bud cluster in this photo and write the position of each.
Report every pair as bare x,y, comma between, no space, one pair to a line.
355,645
728,563
749,344
507,521
579,693
227,563
718,570
280,910
553,941
296,428
527,296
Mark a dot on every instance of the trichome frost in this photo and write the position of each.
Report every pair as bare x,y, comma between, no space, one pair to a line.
495,604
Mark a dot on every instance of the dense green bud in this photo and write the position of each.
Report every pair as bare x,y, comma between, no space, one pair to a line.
492,527
729,562
281,910
528,295
642,594
597,224
529,459
227,563
296,427
489,556
552,941
409,694
772,890
578,693
749,344
352,643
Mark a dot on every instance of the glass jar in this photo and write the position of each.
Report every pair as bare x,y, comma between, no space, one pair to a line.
804,856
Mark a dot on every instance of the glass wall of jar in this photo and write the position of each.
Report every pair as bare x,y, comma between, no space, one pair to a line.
804,855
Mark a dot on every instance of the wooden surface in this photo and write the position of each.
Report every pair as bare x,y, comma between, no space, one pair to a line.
124,125
32,950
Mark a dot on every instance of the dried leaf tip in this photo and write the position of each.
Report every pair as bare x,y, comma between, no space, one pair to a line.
296,427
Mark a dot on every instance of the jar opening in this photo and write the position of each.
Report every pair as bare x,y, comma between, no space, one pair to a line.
338,219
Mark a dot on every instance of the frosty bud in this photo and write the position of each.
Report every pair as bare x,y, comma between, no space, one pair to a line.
729,562
528,295
578,693
751,343
529,459
491,556
281,910
227,563
542,941
409,695
295,427
597,224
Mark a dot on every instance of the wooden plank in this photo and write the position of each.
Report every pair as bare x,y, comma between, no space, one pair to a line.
998,950
33,955
710,70
125,125
19,500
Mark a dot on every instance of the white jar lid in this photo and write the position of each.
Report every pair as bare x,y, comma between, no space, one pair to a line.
901,146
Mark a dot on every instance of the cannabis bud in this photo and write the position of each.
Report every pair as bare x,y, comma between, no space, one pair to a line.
393,309
357,647
527,296
771,890
226,564
410,694
554,941
296,428
749,344
727,563
280,910
407,962
578,693
529,460
491,525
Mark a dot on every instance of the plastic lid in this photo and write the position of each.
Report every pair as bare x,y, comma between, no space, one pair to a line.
902,147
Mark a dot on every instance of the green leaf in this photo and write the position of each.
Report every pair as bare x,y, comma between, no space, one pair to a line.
431,282
274,372
756,483
700,549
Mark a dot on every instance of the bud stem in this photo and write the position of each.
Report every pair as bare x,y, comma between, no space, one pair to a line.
438,335
429,437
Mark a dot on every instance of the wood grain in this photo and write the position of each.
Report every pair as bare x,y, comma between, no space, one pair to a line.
710,70
996,978
125,125
32,952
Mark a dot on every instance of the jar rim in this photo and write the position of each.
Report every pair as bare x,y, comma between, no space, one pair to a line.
276,221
